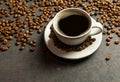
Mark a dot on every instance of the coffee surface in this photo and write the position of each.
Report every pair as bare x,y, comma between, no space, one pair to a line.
74,25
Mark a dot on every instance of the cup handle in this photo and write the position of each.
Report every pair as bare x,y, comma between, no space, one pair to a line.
95,30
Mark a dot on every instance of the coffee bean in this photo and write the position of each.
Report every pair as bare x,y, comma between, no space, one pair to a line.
21,48
110,36
5,41
104,32
117,42
0,2
108,32
108,39
113,30
4,48
39,31
32,49
107,57
17,43
107,43
118,34
7,15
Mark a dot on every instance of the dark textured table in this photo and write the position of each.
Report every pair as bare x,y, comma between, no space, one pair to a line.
42,66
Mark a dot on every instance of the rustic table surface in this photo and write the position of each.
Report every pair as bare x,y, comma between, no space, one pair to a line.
43,66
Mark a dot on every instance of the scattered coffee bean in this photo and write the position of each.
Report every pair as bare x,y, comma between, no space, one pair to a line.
39,31
117,42
17,43
4,48
118,34
107,57
108,39
110,36
21,48
5,41
0,2
107,43
108,32
104,32
113,30
32,49
7,15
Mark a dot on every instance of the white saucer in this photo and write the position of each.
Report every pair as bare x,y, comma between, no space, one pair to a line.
73,54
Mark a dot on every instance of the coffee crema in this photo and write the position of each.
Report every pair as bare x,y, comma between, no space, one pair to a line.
73,25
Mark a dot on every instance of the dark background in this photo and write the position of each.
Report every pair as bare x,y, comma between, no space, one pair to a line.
42,66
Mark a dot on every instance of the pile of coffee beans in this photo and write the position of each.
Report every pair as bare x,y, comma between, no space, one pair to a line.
68,48
19,19
107,13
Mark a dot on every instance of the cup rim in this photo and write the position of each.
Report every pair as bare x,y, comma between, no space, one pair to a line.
66,36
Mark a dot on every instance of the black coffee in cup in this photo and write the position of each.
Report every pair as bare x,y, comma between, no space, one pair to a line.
74,25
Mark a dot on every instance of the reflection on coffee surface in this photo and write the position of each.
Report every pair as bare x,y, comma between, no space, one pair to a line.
73,25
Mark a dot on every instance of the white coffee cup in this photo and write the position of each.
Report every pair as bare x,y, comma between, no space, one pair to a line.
74,40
